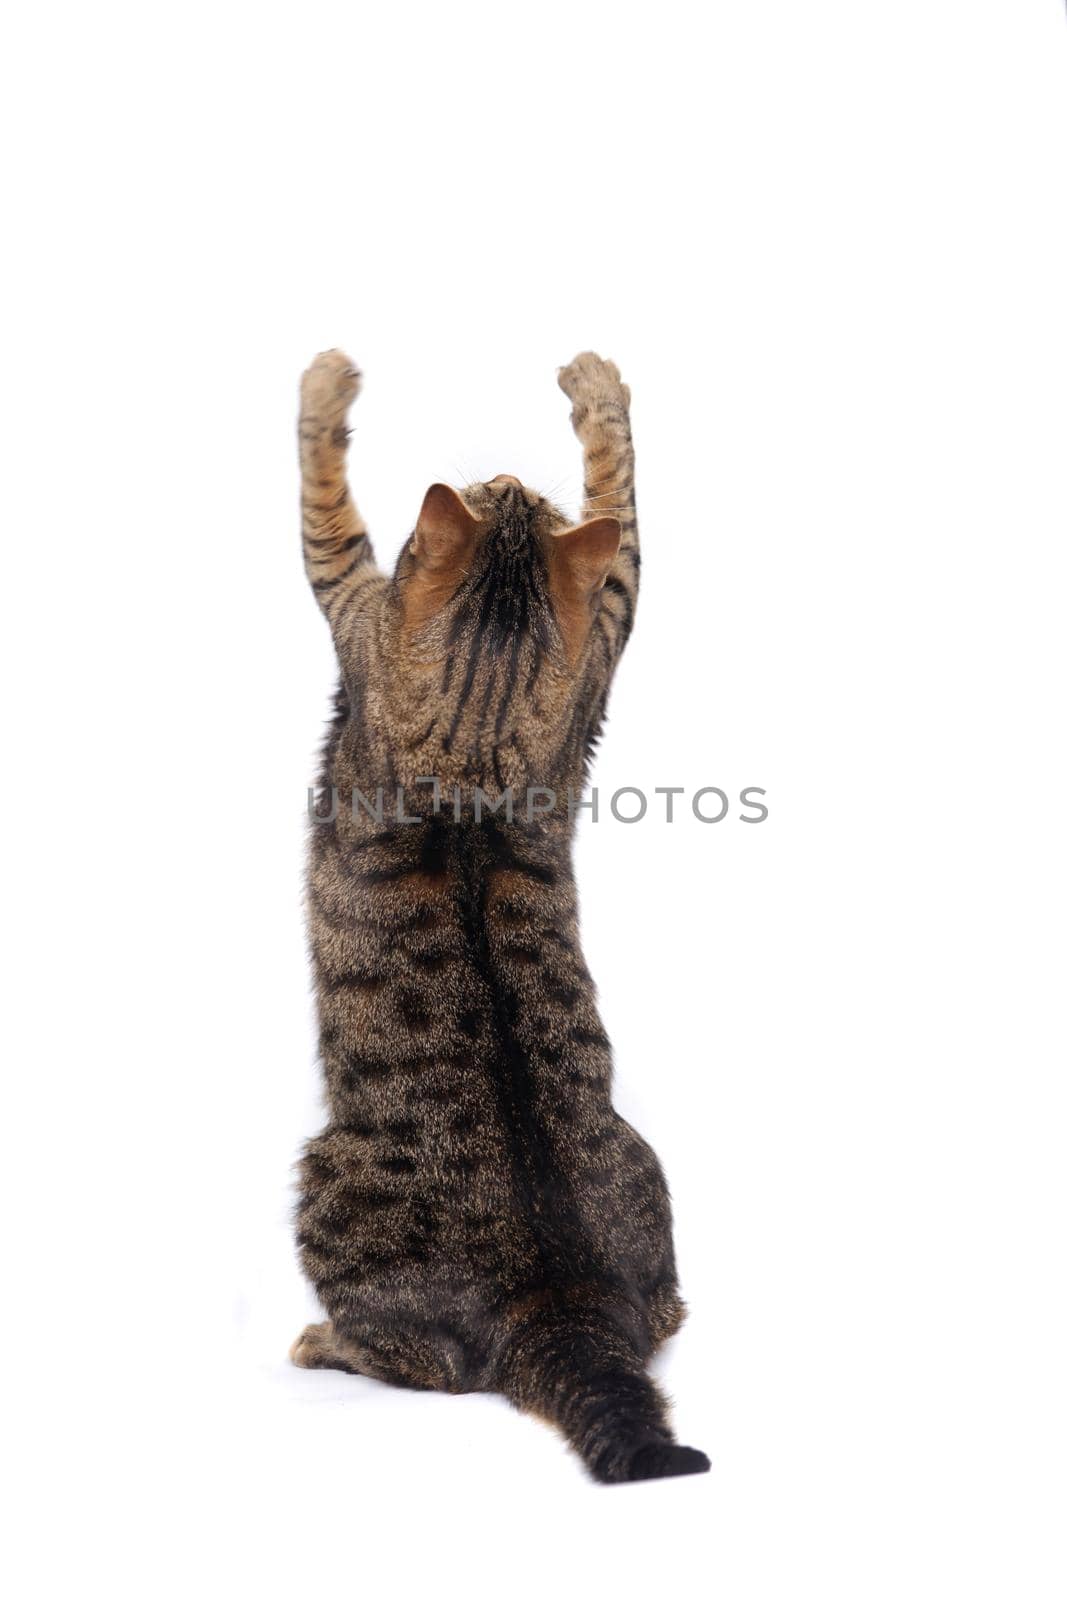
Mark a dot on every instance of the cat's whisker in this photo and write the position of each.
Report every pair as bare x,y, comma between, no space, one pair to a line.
557,488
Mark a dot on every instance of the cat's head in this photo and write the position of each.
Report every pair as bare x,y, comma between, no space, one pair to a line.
495,599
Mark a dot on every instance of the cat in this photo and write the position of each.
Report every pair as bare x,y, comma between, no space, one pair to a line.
476,1216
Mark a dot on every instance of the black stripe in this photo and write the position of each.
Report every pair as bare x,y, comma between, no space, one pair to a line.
320,585
614,585
331,539
347,602
565,1252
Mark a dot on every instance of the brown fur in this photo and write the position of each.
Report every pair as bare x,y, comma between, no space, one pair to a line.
476,1215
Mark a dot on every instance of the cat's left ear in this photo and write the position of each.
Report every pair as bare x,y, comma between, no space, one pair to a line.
441,547
581,559
584,554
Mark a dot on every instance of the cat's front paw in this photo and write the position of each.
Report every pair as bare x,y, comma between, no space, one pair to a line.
591,383
329,386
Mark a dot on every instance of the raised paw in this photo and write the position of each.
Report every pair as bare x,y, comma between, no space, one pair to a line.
329,386
590,383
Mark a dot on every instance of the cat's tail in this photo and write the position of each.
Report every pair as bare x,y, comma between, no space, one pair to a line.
575,1367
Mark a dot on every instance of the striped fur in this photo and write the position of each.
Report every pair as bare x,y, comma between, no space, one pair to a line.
475,1215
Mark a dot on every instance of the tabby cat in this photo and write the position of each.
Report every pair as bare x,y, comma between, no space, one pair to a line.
476,1216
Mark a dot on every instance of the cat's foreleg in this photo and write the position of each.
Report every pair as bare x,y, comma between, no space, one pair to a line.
600,414
337,551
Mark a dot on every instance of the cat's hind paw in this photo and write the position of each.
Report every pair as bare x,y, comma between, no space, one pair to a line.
314,1346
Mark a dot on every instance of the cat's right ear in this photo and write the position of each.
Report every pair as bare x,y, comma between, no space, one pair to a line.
439,552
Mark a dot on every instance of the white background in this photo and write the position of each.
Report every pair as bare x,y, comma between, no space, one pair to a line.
826,244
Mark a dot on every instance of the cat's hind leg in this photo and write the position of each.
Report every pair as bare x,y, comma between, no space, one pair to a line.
320,1345
407,1361
666,1313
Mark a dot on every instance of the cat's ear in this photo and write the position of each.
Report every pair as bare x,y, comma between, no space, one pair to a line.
584,554
440,550
445,531
581,559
